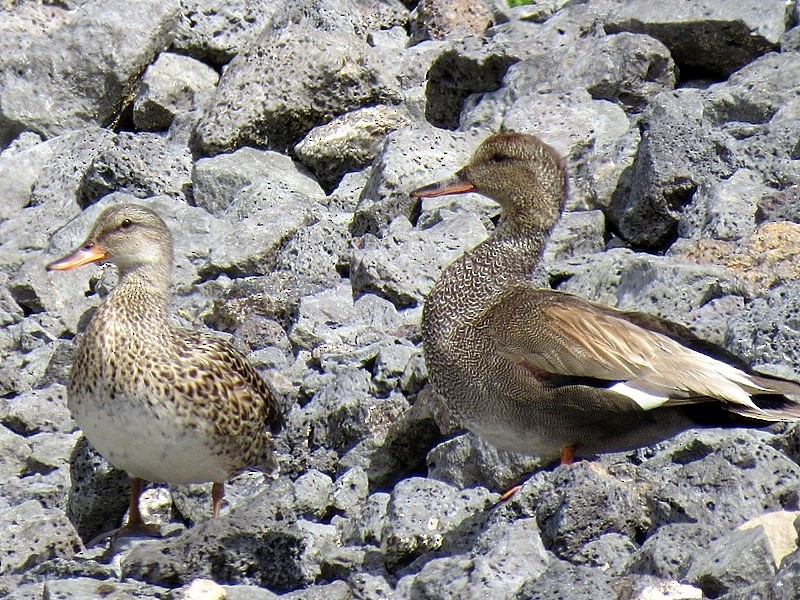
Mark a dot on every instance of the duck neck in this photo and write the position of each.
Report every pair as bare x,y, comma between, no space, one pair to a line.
152,280
470,284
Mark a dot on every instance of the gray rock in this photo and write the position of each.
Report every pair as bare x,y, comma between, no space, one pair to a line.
338,590
313,493
563,581
652,588
275,296
784,585
332,317
575,234
345,197
764,333
264,222
610,553
63,82
421,512
724,210
755,93
706,39
34,534
295,81
141,164
468,460
564,503
398,366
458,71
23,23
625,68
258,543
50,453
770,148
320,251
192,502
19,169
779,206
412,157
403,266
216,31
33,342
248,592
99,492
348,142
367,586
719,479
88,587
43,410
503,559
56,177
10,311
15,452
216,181
570,52
367,527
350,491
171,85
333,420
46,476
669,552
433,19
750,554
678,151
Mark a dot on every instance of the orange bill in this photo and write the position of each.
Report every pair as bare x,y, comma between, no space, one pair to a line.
457,184
82,256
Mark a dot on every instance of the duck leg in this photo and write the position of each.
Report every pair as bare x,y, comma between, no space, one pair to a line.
568,454
567,458
135,524
135,521
217,494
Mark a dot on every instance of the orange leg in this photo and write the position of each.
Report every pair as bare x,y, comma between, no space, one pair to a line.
217,494
135,521
568,454
510,492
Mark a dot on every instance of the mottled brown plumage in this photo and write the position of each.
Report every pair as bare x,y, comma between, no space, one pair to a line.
162,402
543,372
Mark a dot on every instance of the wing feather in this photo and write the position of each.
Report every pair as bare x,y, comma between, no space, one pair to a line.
560,334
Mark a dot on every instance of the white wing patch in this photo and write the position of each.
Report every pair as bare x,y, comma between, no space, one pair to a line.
643,399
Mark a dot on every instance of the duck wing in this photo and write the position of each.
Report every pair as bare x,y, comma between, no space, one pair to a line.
229,379
561,339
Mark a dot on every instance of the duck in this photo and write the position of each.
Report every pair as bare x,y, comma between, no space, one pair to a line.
546,373
162,402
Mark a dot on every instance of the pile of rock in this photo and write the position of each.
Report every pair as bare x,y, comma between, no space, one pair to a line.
279,140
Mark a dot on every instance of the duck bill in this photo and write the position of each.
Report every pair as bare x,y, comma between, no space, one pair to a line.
82,256
457,184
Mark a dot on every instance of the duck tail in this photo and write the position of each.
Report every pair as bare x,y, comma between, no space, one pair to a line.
781,401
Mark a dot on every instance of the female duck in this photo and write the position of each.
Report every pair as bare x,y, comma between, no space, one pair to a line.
163,403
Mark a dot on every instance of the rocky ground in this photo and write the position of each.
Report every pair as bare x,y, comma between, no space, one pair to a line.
280,141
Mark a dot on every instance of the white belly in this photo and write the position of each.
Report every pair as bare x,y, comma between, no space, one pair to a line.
149,442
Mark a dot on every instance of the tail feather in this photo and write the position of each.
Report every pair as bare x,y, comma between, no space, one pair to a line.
781,403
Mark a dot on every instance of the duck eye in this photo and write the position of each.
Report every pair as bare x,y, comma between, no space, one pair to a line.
126,223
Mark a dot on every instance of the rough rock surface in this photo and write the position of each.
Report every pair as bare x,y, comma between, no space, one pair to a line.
279,141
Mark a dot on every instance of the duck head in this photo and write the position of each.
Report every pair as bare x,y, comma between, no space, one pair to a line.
130,236
525,176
